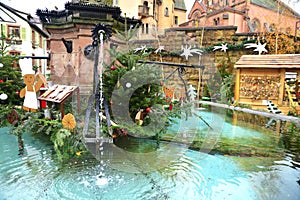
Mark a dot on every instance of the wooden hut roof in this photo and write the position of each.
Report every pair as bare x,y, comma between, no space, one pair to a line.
269,61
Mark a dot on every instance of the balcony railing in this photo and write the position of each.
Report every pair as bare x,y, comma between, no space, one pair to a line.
13,41
143,10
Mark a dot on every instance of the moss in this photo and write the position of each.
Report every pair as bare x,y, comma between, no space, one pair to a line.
255,164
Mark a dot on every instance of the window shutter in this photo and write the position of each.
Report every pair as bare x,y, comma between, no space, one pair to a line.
23,33
4,29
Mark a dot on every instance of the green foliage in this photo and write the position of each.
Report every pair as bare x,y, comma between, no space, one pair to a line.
227,89
66,143
291,137
3,44
5,112
214,86
147,95
63,141
127,35
176,53
10,81
242,146
225,68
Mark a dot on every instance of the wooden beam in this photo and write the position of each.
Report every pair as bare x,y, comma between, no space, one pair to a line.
281,87
237,85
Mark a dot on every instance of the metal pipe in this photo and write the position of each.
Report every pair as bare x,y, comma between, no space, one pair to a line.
171,64
282,117
36,57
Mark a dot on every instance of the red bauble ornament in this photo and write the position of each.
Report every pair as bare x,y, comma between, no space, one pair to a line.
1,81
148,109
17,92
111,102
171,107
113,67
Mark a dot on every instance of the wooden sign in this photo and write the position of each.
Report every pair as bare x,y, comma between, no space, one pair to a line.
57,93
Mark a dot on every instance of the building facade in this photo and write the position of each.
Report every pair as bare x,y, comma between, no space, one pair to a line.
247,15
70,39
156,15
22,35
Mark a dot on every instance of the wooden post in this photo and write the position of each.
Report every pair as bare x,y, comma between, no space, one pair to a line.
281,87
278,126
237,85
234,119
62,114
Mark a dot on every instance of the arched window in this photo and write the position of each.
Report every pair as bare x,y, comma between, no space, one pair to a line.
166,11
256,25
195,15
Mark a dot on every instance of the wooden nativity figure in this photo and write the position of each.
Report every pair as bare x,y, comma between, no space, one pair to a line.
32,86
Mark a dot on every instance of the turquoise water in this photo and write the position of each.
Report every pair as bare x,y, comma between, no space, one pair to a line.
194,175
217,122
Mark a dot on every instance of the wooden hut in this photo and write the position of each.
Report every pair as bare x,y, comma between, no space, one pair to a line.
261,78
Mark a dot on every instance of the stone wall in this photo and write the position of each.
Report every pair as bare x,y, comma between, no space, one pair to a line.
174,39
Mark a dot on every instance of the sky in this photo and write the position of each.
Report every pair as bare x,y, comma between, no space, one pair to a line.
31,6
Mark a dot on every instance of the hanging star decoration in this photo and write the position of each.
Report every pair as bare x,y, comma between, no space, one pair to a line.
258,47
159,49
187,51
142,49
223,47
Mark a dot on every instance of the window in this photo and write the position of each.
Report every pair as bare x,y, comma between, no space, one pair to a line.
267,27
13,32
176,20
145,8
147,28
288,31
256,25
117,2
143,28
272,27
14,53
217,21
195,15
226,16
166,11
33,36
41,42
